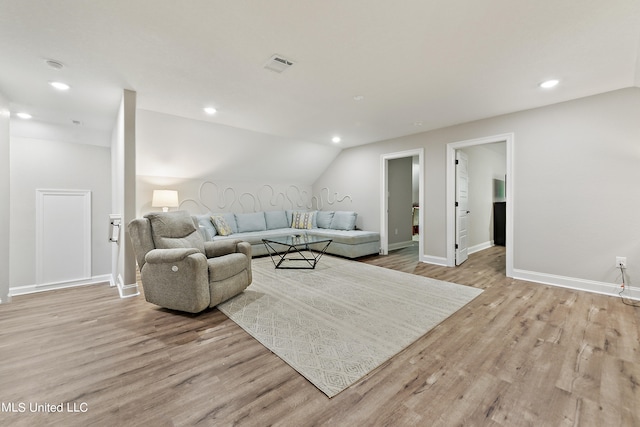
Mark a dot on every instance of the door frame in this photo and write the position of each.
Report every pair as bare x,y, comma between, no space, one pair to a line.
509,138
384,192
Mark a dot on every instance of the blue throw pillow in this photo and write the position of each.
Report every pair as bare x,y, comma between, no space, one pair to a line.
250,222
323,218
344,220
204,221
276,219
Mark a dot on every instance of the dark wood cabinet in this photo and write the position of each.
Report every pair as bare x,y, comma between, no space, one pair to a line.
499,223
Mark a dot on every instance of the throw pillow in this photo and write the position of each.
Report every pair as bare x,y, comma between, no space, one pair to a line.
303,220
344,220
276,219
323,218
204,221
251,222
221,225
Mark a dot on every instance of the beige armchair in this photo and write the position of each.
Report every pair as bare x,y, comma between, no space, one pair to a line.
179,270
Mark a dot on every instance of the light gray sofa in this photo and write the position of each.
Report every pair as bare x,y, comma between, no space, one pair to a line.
253,227
179,270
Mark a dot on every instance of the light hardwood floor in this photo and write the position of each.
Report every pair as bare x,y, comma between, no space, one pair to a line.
521,354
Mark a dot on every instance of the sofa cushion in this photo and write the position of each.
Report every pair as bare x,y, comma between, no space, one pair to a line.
222,227
302,220
276,219
204,221
250,222
255,237
348,237
344,220
171,230
323,219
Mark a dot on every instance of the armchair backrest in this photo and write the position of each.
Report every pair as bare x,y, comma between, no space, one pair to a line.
164,230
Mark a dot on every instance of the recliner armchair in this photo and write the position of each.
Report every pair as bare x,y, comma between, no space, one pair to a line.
179,270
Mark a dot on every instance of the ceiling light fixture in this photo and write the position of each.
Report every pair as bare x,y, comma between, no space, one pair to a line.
358,97
548,84
336,139
24,116
210,110
60,85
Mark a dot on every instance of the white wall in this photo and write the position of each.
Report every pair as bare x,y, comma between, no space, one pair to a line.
575,180
199,196
5,200
184,155
50,164
123,202
170,146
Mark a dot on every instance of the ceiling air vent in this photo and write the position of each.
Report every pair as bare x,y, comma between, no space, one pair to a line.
278,63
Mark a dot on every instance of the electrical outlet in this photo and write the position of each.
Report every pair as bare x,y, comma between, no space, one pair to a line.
621,261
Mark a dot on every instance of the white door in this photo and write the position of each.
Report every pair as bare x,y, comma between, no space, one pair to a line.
63,235
462,206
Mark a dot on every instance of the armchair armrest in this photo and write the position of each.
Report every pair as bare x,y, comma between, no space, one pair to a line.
224,247
162,256
177,279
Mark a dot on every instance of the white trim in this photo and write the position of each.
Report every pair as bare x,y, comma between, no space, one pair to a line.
384,190
509,138
127,291
30,289
435,260
480,247
401,245
603,288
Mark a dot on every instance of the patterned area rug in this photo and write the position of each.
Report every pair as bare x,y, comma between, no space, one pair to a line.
340,321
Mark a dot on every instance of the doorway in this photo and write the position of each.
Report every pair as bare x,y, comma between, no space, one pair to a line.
453,149
385,232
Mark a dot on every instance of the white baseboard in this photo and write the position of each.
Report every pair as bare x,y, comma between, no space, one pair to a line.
29,289
127,291
480,247
6,300
604,288
436,260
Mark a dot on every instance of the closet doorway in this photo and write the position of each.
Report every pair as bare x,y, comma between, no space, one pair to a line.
499,189
401,203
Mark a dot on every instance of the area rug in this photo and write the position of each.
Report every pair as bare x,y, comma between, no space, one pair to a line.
340,321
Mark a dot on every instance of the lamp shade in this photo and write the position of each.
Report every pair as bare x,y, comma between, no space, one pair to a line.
165,199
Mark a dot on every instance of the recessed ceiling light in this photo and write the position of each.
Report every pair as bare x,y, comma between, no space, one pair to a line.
358,97
210,110
336,139
548,84
60,85
25,116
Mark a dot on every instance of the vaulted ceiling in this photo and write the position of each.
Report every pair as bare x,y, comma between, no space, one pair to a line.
363,70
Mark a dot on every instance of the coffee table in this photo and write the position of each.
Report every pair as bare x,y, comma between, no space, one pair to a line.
297,251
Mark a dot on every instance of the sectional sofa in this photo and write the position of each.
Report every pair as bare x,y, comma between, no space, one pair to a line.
340,226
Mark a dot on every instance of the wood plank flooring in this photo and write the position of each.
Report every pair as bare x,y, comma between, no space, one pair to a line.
521,354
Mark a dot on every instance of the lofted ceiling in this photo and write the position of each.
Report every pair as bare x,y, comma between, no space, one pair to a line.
364,70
